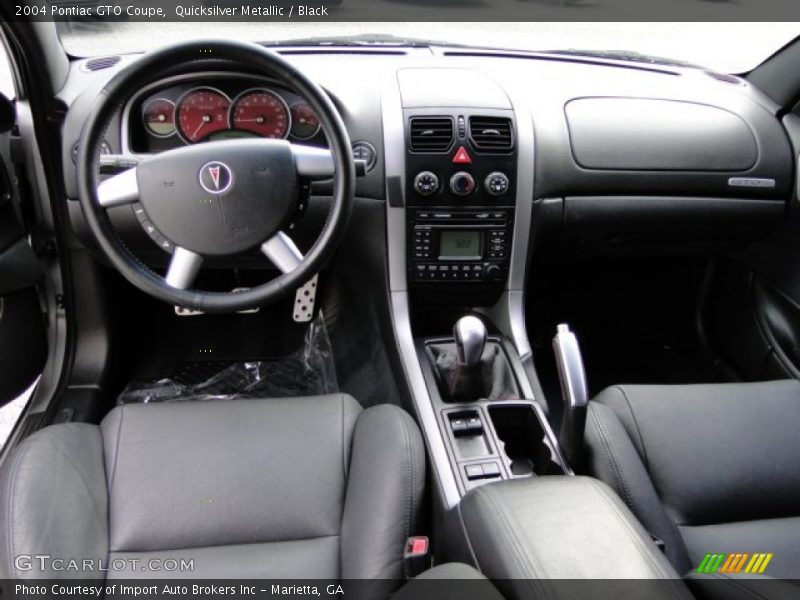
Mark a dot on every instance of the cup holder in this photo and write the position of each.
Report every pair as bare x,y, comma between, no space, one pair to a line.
524,441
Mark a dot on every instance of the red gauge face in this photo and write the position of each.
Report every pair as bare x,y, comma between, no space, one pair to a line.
159,117
305,122
261,112
202,112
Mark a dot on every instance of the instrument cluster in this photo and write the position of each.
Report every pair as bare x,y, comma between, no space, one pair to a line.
193,112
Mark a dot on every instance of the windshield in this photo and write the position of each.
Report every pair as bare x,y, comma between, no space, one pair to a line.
725,47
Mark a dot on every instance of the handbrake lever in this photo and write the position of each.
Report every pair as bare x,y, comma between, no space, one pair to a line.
574,393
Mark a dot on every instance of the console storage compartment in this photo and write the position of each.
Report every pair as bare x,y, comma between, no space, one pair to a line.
532,536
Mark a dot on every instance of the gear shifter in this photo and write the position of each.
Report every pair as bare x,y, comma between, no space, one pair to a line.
469,367
470,335
572,377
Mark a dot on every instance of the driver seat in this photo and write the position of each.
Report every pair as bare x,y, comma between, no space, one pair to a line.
311,488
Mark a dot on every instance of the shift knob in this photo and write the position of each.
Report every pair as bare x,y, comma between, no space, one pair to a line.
470,335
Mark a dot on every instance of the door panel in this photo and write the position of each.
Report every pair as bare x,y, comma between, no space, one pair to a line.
23,341
752,313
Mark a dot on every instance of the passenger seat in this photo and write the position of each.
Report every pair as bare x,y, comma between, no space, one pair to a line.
707,469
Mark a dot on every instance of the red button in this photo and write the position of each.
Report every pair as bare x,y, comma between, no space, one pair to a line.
462,157
417,546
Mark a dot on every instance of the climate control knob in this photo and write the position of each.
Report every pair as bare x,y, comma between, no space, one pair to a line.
426,183
496,183
462,183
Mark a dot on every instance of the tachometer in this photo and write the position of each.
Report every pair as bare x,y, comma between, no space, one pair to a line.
159,117
262,112
305,122
201,112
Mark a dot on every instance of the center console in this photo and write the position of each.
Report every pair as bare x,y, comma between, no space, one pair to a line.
460,174
460,190
459,163
459,170
562,537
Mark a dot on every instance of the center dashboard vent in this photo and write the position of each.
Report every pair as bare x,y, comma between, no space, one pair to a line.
431,134
491,134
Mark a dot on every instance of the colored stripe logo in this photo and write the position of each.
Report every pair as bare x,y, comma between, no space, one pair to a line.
736,562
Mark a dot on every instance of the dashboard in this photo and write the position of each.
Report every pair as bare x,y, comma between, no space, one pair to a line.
196,109
604,156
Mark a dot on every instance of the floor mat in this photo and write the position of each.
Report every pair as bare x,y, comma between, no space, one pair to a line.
308,371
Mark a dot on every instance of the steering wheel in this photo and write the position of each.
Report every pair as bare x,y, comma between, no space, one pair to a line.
217,199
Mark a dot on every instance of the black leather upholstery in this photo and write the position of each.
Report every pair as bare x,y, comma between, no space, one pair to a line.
299,487
706,468
492,378
523,533
538,528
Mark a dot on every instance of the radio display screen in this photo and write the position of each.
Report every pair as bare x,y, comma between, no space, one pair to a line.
460,245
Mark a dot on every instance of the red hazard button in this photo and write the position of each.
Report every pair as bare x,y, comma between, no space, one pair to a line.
462,157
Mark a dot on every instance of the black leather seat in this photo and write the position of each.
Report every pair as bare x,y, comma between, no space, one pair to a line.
705,468
277,488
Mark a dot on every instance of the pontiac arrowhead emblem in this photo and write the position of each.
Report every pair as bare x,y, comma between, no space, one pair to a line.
216,178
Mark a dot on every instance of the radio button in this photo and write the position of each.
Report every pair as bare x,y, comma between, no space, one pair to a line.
493,272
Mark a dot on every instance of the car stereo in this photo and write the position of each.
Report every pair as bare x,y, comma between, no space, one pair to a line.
460,245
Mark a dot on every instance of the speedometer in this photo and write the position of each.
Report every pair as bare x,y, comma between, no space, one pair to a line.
202,112
262,112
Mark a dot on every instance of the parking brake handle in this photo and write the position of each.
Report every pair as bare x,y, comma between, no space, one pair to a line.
572,377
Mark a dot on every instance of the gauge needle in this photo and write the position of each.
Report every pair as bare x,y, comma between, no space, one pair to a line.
206,119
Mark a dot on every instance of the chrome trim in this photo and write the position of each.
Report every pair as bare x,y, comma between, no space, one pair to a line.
752,182
310,161
470,336
124,126
571,372
509,317
183,268
394,157
281,250
509,312
423,405
260,90
174,117
182,97
394,148
118,190
319,125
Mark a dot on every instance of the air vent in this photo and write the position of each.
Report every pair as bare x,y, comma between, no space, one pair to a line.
98,64
491,134
431,134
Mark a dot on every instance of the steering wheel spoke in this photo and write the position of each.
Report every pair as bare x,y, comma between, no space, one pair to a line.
118,190
312,162
183,268
282,252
